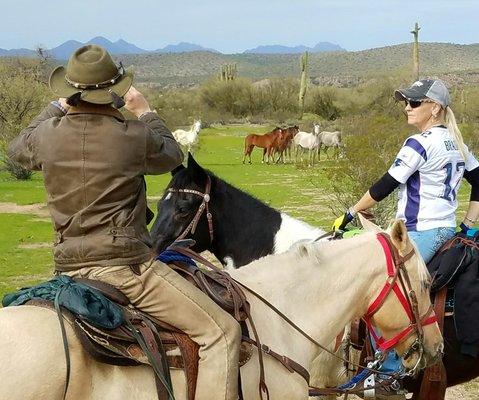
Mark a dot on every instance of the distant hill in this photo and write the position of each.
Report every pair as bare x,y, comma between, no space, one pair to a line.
64,51
17,52
278,49
339,68
183,47
167,67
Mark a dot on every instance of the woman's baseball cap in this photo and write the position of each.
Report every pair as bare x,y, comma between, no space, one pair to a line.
433,89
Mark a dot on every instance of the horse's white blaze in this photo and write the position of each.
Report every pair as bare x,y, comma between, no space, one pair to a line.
292,231
168,197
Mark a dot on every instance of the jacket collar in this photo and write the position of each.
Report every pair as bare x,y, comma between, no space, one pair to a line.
87,108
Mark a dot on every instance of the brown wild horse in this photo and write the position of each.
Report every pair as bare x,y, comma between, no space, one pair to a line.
284,148
268,141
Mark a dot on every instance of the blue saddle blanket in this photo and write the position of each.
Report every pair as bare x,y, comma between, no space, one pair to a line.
82,300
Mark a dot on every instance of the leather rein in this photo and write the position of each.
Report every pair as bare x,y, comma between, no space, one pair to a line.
202,207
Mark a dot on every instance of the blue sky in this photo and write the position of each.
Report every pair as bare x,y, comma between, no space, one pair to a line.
233,26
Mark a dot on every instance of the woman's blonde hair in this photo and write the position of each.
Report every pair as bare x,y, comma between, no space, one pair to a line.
454,131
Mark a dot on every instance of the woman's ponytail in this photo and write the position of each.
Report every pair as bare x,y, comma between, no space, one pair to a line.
455,132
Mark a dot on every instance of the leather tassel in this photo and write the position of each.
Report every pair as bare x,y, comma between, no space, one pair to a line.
117,101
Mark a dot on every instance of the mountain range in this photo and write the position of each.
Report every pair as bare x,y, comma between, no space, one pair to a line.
279,49
63,51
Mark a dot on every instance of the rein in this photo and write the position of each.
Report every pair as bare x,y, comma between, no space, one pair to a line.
407,297
203,206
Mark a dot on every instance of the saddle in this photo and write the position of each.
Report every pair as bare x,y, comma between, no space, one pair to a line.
144,341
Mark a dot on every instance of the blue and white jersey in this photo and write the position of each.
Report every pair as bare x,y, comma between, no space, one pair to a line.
430,168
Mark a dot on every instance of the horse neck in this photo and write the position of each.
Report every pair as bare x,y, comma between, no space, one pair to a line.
244,227
320,291
292,231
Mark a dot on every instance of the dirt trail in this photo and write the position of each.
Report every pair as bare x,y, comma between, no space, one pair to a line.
39,209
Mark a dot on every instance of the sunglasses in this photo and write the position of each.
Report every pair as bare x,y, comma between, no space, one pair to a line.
415,103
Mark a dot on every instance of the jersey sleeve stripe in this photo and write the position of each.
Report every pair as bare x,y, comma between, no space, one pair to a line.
416,146
411,212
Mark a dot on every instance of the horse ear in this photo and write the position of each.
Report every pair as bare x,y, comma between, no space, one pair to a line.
399,236
368,225
177,169
196,170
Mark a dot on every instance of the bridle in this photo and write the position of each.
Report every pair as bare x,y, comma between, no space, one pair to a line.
398,282
203,206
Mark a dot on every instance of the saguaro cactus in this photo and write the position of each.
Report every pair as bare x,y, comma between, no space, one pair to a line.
227,72
303,82
415,52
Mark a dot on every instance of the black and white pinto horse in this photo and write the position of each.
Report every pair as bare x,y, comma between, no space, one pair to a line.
245,229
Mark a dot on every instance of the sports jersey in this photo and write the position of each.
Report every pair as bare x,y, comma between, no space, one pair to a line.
430,167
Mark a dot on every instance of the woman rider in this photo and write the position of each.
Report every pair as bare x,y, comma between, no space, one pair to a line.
428,171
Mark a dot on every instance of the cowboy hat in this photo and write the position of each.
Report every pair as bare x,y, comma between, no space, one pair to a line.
91,76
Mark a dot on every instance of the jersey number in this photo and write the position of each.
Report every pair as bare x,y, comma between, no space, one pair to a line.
450,189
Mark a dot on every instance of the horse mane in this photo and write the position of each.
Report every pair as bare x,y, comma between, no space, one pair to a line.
318,250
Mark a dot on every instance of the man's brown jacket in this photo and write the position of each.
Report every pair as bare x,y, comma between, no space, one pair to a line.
94,162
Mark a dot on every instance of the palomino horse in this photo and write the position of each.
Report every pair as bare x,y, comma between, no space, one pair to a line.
268,141
320,286
188,139
245,229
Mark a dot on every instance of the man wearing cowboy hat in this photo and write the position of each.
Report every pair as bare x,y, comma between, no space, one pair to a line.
94,161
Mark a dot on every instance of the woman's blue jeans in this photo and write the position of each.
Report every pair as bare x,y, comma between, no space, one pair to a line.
427,242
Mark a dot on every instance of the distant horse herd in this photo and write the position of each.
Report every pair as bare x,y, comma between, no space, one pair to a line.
280,142
278,145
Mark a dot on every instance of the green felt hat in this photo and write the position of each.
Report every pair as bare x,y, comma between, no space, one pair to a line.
92,76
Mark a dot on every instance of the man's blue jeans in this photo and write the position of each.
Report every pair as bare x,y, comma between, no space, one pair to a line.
427,242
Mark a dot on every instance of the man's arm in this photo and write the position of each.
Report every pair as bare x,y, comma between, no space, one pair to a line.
23,149
162,151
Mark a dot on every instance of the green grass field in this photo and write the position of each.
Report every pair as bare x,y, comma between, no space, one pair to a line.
25,239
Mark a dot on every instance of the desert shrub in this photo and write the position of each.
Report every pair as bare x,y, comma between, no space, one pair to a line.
322,102
16,170
23,94
231,97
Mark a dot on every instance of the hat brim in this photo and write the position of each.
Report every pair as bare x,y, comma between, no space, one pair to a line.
61,88
408,94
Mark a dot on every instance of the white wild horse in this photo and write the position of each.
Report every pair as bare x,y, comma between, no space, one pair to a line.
188,139
330,139
320,286
308,141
